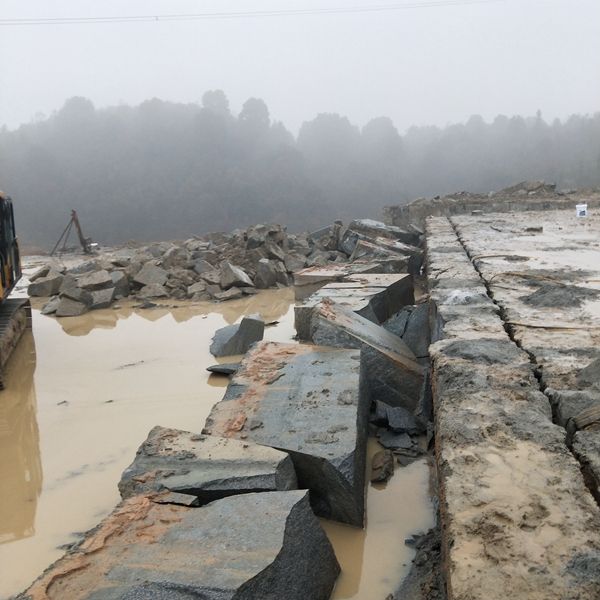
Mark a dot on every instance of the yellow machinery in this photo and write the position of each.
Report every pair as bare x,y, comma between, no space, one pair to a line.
15,313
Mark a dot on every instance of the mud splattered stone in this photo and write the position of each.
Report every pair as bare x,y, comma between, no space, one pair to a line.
267,545
205,466
307,401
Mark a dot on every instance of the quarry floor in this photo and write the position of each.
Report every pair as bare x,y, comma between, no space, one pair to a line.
82,394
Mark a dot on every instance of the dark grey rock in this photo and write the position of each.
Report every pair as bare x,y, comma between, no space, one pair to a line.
196,288
266,275
98,280
153,290
373,296
39,273
396,441
232,275
306,401
375,229
294,262
70,308
120,283
77,294
237,339
150,274
224,368
266,546
392,373
175,256
397,419
46,286
51,306
85,267
202,266
204,466
102,298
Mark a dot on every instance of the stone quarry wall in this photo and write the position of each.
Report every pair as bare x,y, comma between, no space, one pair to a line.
517,518
526,196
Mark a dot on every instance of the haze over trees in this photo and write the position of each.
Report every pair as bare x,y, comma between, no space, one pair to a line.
163,170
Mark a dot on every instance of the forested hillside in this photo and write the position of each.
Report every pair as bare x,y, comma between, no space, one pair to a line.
163,170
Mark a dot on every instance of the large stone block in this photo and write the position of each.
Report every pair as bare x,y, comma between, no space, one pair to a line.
374,296
266,545
205,466
237,338
46,286
150,274
391,370
307,401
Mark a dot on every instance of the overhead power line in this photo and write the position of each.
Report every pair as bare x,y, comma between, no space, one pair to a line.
237,15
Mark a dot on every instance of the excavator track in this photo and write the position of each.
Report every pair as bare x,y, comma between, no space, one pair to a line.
15,318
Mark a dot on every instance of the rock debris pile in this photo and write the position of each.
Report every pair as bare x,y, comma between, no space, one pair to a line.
220,266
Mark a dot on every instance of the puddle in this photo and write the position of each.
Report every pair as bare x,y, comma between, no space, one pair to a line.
375,560
82,395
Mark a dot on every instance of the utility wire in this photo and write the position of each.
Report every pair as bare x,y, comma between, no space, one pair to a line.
238,14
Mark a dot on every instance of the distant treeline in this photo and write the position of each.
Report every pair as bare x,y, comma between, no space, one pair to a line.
163,170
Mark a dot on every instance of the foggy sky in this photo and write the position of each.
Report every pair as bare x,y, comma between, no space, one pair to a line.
420,67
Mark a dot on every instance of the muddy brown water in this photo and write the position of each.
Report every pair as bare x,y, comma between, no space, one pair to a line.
82,394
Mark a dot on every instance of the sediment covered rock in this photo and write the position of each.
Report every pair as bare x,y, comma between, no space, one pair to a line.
204,466
307,401
262,545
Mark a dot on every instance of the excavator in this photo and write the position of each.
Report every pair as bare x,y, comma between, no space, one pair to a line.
15,313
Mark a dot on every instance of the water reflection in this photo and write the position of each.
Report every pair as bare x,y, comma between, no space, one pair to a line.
272,305
20,464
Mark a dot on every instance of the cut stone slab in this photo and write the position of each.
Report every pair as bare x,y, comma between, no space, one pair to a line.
46,286
39,273
237,339
266,545
375,229
373,296
70,308
151,274
204,466
231,276
224,368
307,401
321,275
96,281
392,374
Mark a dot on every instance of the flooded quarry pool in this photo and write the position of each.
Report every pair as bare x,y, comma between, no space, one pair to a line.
83,393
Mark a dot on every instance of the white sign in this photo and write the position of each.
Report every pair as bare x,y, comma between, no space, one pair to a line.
581,210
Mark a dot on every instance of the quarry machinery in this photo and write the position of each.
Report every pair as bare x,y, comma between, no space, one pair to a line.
15,313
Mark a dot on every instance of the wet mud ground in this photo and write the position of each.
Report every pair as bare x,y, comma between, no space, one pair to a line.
82,395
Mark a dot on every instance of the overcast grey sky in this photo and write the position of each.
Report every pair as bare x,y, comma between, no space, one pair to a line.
433,65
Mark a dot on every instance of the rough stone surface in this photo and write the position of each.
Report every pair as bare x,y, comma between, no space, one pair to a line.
120,283
224,368
102,298
306,401
517,518
232,275
266,545
46,286
150,274
70,308
373,296
266,275
392,374
382,466
397,419
96,281
51,306
237,339
153,290
204,466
